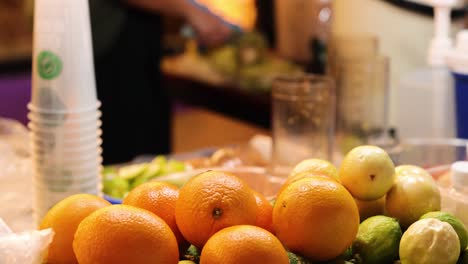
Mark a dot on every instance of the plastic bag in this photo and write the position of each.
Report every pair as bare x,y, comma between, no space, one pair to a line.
23,248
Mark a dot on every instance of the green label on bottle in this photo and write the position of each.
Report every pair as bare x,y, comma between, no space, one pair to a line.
49,65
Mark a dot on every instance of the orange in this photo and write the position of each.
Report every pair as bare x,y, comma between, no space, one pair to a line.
122,234
300,176
316,217
264,212
64,219
159,198
212,201
243,244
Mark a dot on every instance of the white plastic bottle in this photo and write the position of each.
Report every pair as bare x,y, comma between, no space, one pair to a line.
425,98
456,200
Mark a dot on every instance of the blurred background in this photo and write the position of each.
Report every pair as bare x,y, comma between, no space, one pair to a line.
223,95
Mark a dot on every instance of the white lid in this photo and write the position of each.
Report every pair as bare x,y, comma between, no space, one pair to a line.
458,58
460,175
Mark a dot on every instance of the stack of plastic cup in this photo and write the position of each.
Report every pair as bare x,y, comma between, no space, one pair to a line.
64,111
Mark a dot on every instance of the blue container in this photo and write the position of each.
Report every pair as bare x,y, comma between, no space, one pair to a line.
112,200
461,99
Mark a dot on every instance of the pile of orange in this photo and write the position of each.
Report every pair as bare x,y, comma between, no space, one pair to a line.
314,215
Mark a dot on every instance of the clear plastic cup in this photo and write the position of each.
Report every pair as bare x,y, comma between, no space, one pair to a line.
67,136
61,141
63,66
67,185
52,163
69,154
79,170
59,159
66,149
48,189
58,117
47,120
303,120
79,144
67,129
53,138
59,180
70,189
70,167
362,102
61,112
59,170
66,174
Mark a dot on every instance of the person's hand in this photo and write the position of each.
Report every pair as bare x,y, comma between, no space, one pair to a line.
210,30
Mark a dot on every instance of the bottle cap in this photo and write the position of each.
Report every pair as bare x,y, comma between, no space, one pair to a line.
460,175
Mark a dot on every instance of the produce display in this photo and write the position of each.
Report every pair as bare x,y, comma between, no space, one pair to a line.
247,63
118,181
366,211
244,62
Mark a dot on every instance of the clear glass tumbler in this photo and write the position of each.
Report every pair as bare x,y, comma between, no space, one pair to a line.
303,120
362,103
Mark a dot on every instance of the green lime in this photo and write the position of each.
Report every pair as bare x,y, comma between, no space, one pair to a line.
429,241
130,172
116,187
377,240
454,222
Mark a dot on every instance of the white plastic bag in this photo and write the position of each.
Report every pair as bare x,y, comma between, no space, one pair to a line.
23,248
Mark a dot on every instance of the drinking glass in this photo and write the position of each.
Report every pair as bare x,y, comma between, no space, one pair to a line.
303,120
362,102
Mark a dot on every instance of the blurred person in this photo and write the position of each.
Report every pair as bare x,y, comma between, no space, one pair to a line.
127,38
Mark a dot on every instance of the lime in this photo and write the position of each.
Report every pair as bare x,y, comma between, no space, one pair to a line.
454,222
116,187
429,241
130,172
152,171
367,172
316,166
377,240
413,194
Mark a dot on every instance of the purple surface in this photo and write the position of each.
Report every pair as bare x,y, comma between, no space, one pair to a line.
15,94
